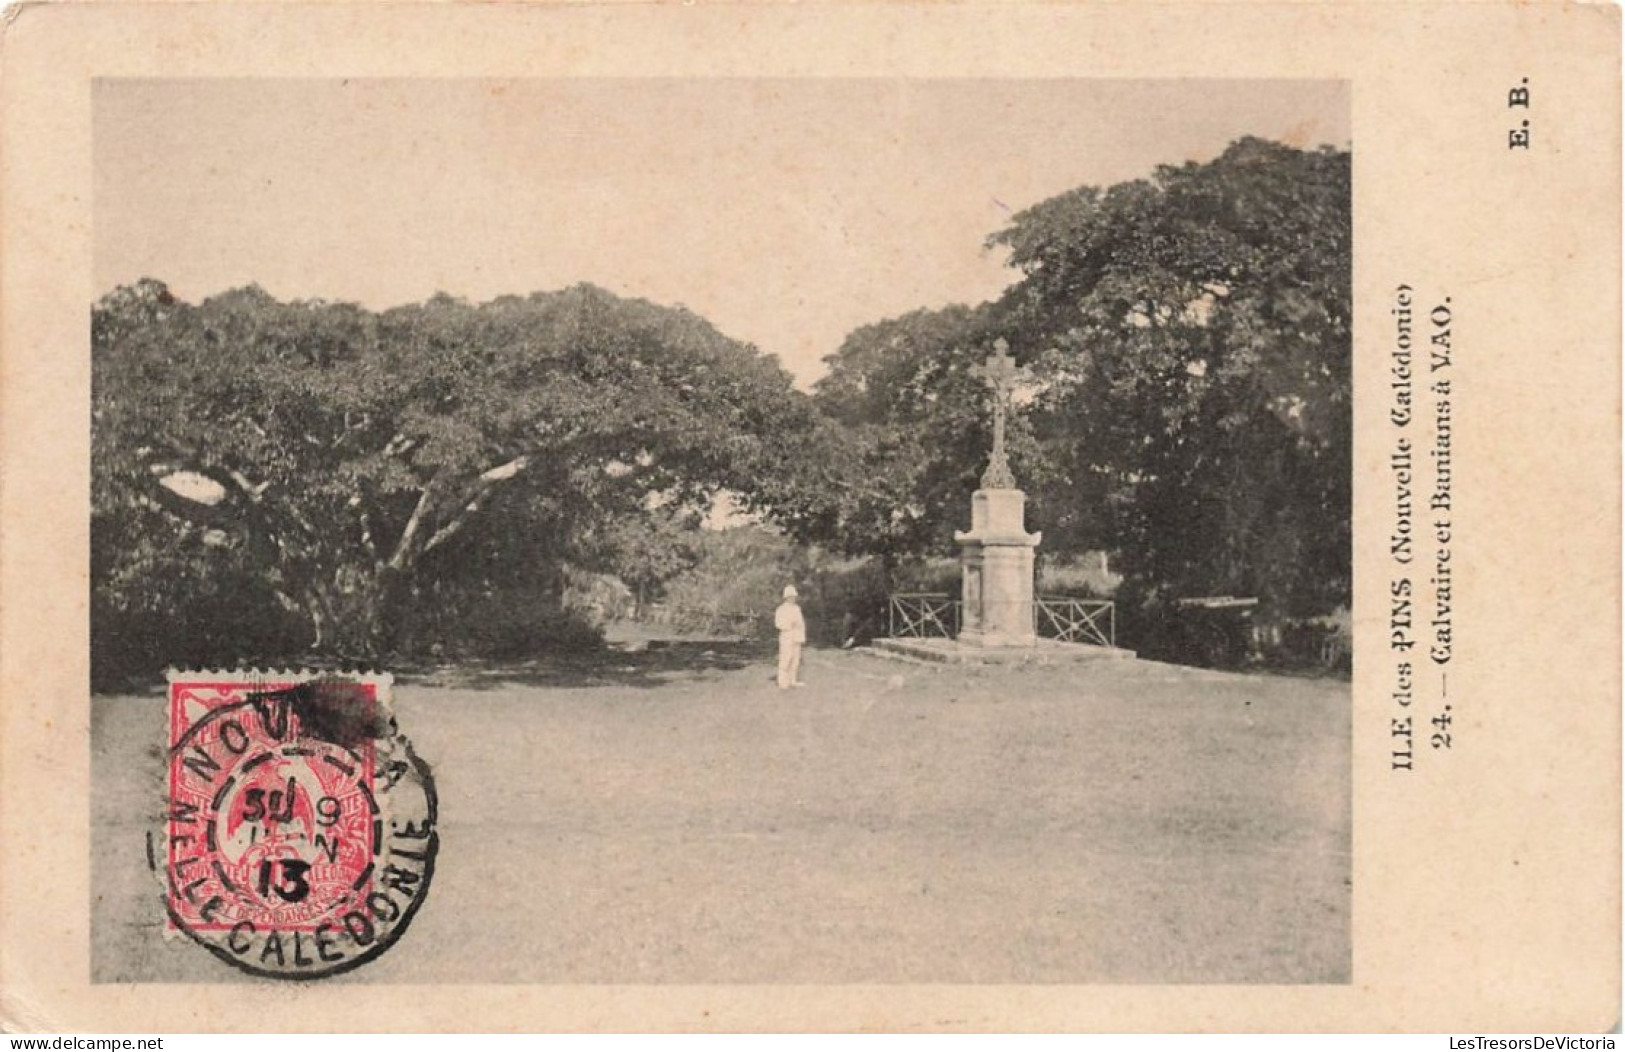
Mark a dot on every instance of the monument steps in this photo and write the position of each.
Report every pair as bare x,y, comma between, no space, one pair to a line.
952,652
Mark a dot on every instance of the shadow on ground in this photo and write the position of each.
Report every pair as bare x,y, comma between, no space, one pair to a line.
640,663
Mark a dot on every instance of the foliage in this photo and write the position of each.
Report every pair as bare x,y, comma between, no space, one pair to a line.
739,574
271,477
1195,335
913,417
359,472
735,580
648,550
1187,338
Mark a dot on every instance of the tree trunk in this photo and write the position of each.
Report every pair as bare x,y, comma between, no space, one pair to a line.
361,622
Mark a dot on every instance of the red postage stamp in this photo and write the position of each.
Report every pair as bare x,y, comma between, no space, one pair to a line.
299,834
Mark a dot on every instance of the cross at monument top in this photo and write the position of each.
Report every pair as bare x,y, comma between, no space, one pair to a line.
1001,376
1000,372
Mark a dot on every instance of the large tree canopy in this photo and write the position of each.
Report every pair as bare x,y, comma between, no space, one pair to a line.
1188,337
905,399
277,476
352,464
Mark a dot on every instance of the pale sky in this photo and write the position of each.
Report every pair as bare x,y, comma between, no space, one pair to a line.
787,212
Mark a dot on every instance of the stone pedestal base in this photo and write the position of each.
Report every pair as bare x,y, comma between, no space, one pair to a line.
997,560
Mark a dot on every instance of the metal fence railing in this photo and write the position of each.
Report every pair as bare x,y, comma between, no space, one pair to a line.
1076,620
923,615
934,615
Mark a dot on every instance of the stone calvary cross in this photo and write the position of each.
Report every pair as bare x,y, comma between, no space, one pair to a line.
1001,376
996,554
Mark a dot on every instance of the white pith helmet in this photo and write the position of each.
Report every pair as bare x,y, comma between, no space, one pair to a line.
789,591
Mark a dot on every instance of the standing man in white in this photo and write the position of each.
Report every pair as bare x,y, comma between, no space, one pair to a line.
792,634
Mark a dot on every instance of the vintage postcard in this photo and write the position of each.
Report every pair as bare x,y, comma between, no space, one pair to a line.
1077,516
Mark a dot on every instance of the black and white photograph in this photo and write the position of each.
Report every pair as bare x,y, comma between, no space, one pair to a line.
857,530
810,518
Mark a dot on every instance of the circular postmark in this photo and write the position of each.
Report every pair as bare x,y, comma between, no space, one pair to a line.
300,830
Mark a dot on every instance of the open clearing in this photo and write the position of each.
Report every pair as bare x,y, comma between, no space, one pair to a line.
669,816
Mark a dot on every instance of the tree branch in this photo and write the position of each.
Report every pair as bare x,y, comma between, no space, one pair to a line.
447,531
483,485
488,479
504,472
398,560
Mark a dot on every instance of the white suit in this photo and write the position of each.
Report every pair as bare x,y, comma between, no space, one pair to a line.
792,634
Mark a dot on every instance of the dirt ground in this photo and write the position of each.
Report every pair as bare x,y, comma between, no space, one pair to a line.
669,816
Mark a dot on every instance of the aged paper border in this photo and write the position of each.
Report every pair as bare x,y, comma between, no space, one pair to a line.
1486,887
